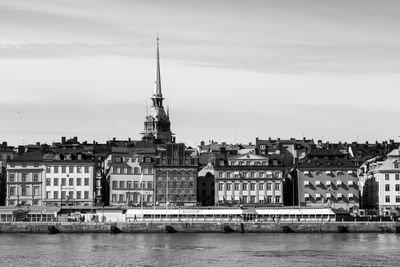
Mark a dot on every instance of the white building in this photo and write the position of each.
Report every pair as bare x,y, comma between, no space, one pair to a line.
131,179
248,179
68,182
382,186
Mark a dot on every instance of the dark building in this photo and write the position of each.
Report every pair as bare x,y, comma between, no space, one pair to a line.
206,186
176,175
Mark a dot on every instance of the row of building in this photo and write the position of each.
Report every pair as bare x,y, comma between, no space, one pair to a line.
158,171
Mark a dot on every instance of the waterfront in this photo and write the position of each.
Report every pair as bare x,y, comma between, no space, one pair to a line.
200,249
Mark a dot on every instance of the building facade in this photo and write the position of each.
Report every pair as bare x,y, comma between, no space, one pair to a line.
248,179
131,179
25,176
206,186
176,175
328,179
68,182
381,190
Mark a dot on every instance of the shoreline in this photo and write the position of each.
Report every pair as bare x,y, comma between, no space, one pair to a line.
200,227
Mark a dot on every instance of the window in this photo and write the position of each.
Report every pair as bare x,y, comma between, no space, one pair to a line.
149,185
229,187
237,186
220,186
55,169
387,187
63,194
55,195
11,177
252,186
397,187
48,182
253,199
397,176
386,176
48,193
35,177
36,190
23,165
221,174
129,184
114,185
262,146
78,195
55,181
78,181
86,194
23,191
48,169
387,199
261,186
71,169
244,174
269,199
71,182
252,174
244,199
86,169
63,169
135,185
228,174
70,194
244,186
78,169
269,186
129,170
277,186
12,191
397,199
277,199
121,184
24,177
63,181
86,181
136,170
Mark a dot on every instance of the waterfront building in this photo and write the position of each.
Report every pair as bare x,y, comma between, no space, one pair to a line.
176,175
381,187
6,153
131,178
248,179
206,186
157,126
69,179
327,178
25,176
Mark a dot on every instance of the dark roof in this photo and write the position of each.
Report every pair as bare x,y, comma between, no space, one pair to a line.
321,163
29,157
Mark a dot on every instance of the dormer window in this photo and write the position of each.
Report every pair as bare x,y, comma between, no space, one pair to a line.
397,165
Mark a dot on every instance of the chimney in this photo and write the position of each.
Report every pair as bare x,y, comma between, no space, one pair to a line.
38,143
63,140
75,139
4,143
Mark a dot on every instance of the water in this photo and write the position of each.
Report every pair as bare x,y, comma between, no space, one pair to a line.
200,249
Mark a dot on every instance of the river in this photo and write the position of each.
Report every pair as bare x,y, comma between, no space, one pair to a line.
200,249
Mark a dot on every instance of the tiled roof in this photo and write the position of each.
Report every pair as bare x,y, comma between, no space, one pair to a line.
29,157
326,163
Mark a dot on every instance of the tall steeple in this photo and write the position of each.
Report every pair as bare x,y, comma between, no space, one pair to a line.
157,97
157,126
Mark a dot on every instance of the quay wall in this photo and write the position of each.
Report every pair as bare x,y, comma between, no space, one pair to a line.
200,227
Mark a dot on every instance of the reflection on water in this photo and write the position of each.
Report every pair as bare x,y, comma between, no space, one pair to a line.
200,249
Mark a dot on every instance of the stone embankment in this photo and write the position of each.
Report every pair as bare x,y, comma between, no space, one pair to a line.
200,227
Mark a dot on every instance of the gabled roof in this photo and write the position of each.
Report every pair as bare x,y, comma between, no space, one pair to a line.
29,157
209,168
248,156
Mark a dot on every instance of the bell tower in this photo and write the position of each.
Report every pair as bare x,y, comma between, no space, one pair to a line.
157,126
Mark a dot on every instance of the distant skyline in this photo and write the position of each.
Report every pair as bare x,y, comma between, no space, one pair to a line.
231,70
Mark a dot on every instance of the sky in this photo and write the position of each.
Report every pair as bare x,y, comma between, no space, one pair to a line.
231,70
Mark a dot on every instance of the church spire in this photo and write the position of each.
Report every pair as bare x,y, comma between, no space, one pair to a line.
158,74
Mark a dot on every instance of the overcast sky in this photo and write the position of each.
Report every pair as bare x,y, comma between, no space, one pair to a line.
231,70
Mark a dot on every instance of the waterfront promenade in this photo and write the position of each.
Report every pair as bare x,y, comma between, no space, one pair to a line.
200,227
